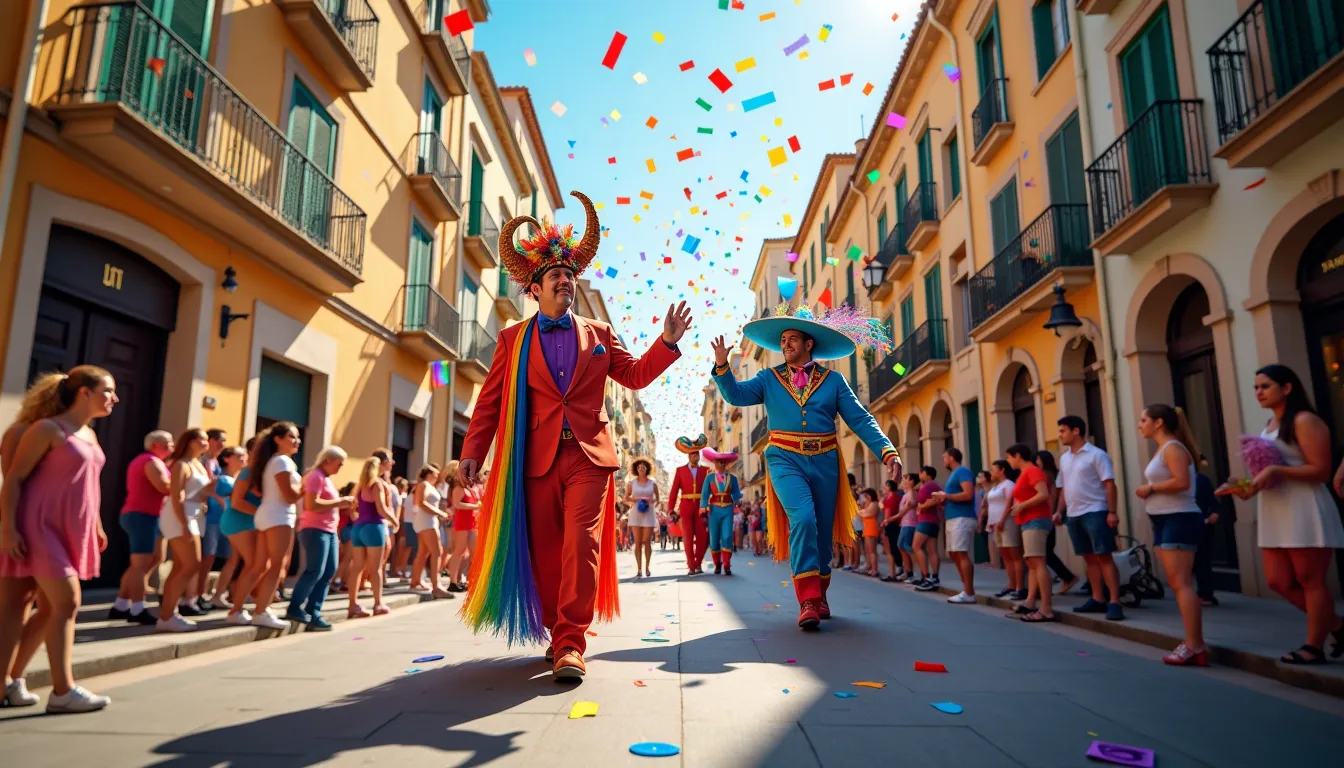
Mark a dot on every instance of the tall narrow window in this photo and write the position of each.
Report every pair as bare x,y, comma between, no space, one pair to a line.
1050,26
953,169
1003,216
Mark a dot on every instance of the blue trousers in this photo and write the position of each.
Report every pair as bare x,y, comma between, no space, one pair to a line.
720,529
806,487
321,554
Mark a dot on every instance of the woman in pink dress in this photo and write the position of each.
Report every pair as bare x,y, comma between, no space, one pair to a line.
50,529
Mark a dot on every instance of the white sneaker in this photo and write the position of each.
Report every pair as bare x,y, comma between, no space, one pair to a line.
220,602
75,701
175,623
239,619
17,695
268,620
961,598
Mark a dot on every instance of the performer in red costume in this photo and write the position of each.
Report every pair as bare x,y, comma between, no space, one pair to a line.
685,499
545,556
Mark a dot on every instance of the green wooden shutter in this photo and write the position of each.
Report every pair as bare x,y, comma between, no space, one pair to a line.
825,224
882,228
907,317
300,128
431,107
988,53
1303,36
954,167
417,277
1044,30
849,284
191,20
1064,164
534,203
1003,216
477,189
901,194
933,293
925,159
971,416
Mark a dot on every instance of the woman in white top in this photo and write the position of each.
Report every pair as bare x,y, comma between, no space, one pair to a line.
642,491
1299,526
1178,525
1006,532
272,473
425,513
180,522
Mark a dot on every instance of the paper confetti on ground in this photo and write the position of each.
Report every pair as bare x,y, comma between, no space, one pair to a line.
613,50
756,102
895,121
559,109
427,659
640,684
530,57
654,749
777,156
845,694
583,709
457,23
745,64
869,684
1120,754
929,666
1255,184
948,707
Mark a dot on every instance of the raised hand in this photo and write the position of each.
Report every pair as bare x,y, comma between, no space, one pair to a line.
675,324
721,350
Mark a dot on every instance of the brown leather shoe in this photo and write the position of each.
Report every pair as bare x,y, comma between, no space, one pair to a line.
808,616
569,666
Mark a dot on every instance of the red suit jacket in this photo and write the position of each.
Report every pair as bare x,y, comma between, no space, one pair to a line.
682,485
583,404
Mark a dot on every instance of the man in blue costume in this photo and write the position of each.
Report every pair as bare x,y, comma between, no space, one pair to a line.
804,465
718,496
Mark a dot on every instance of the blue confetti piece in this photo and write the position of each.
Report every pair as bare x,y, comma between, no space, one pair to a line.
733,134
412,670
948,707
744,175
756,102
572,143
692,243
611,271
845,694
654,749
427,659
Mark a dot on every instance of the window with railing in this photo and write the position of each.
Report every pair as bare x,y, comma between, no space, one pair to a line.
431,157
357,25
922,205
426,310
121,53
1270,50
475,343
926,343
1056,238
992,109
892,247
1165,145
481,224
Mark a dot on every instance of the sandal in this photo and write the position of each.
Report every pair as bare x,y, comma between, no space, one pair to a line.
1297,657
888,579
1337,635
1036,617
356,613
381,610
1018,612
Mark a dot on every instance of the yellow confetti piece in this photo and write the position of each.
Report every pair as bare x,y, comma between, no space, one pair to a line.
599,206
615,115
583,709
636,221
695,209
745,64
659,37
823,34
777,157
802,55
764,191
870,684
767,16
779,121
649,164
788,220
640,78
646,194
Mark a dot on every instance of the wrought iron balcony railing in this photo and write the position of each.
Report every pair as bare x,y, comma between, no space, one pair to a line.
475,343
121,53
922,206
992,109
1164,146
1268,52
510,292
426,310
893,246
431,157
1056,238
357,25
461,56
481,224
926,343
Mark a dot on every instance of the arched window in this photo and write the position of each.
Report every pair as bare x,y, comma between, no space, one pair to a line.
1024,409
1096,419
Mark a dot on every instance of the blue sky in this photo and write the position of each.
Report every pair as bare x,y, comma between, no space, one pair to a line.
570,39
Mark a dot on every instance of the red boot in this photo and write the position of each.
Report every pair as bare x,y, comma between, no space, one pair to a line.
823,607
728,562
808,617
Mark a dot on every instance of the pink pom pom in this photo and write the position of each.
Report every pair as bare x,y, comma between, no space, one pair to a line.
1259,453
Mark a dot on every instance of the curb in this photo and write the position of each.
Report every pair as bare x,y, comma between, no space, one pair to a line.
190,644
1256,664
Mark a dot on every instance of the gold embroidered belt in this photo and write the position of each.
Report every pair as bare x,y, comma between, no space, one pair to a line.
803,443
720,499
695,496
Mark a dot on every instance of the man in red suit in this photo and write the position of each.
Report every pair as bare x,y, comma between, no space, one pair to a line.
686,492
568,453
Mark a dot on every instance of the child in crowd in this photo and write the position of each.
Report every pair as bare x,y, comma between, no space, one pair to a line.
868,515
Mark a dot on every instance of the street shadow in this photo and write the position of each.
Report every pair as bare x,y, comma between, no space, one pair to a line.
427,709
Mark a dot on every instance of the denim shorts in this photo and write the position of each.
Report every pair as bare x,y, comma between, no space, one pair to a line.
370,535
214,543
1038,524
906,542
345,534
1178,530
233,522
928,529
1090,533
143,531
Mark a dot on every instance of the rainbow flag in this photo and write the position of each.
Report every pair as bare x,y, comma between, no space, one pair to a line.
439,373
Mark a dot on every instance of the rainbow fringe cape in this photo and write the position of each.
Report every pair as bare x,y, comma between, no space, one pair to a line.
502,595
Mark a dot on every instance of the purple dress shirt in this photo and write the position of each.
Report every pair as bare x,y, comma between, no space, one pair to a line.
560,347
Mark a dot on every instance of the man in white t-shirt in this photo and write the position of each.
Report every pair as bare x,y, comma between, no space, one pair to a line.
1088,496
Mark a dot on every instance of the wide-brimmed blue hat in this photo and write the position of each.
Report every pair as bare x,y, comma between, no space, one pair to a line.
837,334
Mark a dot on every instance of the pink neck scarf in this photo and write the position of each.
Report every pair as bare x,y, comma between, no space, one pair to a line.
801,376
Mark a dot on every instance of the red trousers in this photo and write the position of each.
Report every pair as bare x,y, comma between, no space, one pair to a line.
695,532
564,511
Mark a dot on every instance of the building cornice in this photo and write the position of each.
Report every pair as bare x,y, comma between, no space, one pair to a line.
524,98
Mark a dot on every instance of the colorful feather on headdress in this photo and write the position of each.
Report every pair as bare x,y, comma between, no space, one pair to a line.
864,331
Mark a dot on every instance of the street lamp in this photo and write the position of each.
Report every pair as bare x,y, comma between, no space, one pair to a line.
1062,314
226,317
